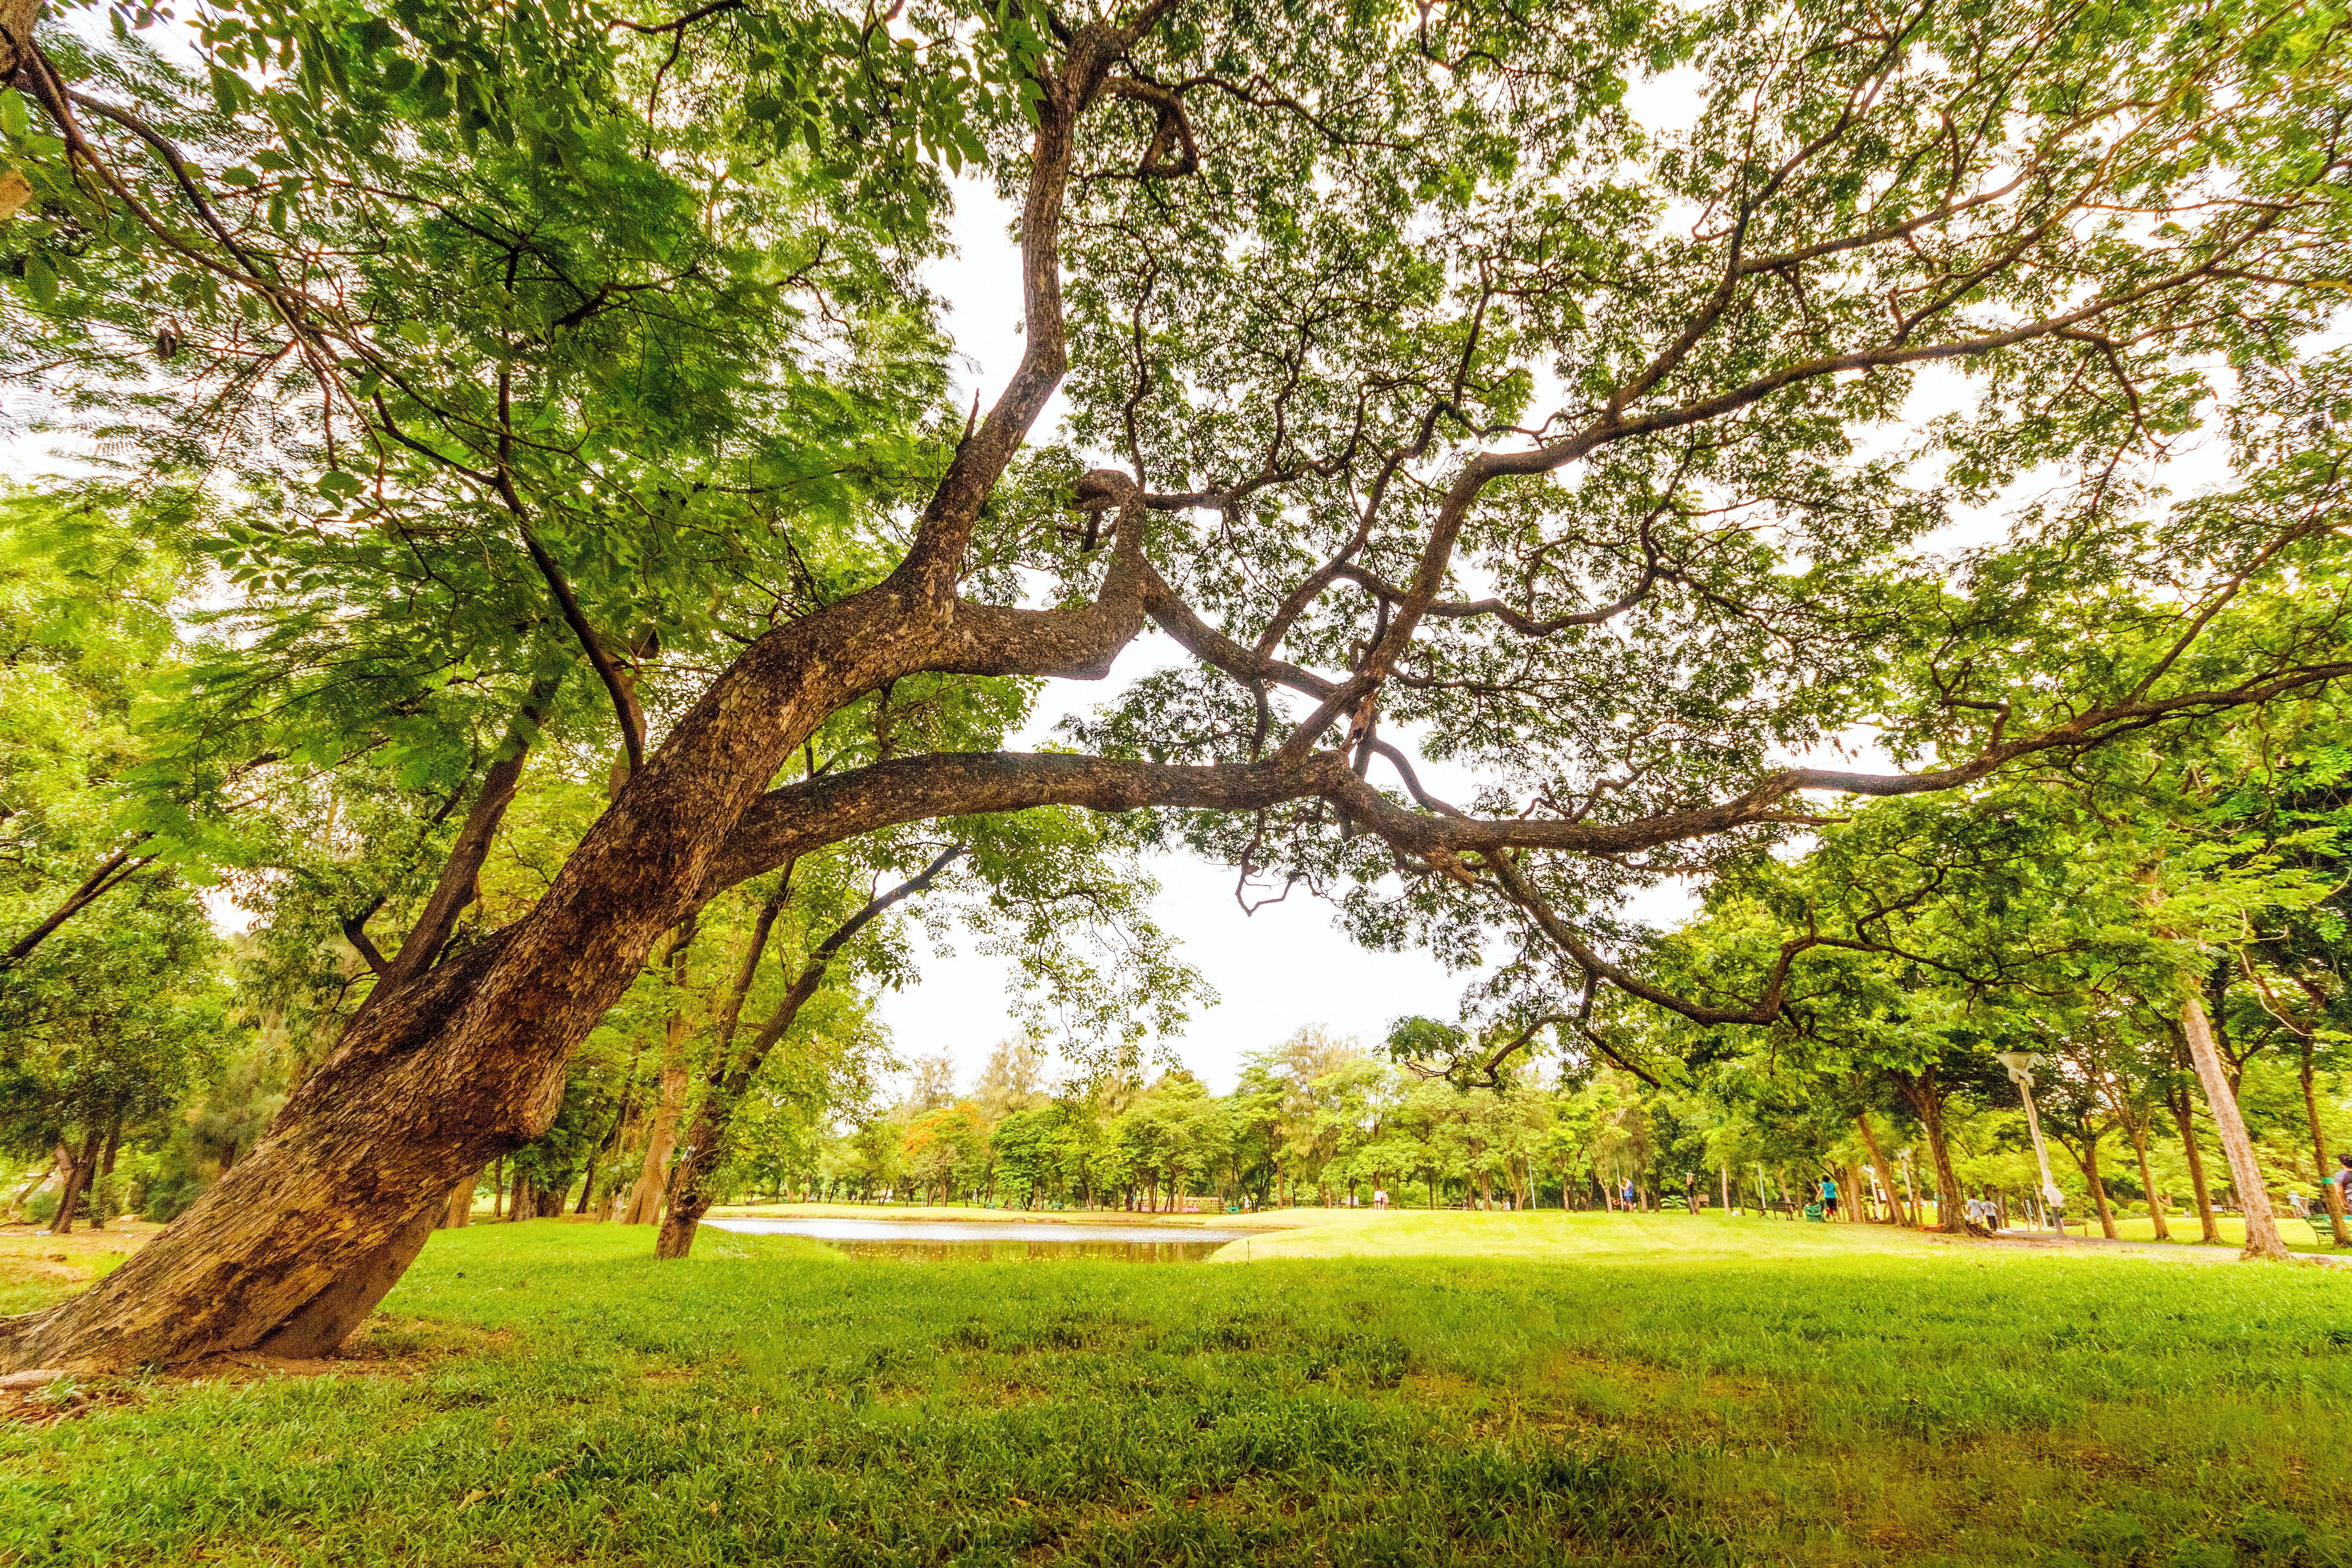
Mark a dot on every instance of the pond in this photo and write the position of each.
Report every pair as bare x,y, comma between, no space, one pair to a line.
1008,1240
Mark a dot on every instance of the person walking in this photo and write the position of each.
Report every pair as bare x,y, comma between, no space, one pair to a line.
1626,1199
1829,1197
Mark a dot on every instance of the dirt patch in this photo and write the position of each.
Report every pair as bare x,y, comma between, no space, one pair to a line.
119,1236
65,1399
382,1347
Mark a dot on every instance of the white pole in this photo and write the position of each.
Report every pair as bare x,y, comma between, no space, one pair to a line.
2020,1066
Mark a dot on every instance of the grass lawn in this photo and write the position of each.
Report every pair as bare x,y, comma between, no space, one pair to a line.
1716,1394
1551,1234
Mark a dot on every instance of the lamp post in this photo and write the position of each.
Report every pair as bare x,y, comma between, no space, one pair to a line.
2020,1066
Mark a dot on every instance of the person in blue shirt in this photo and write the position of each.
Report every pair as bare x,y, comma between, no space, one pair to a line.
1829,1197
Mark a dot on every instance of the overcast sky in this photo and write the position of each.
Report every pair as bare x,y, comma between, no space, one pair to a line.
1275,971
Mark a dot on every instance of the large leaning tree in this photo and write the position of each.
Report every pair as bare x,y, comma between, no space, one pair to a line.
1599,400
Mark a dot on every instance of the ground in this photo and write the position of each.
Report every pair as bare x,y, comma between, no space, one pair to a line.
36,1265
1641,1389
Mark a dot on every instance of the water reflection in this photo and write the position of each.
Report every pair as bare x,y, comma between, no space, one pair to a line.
967,1241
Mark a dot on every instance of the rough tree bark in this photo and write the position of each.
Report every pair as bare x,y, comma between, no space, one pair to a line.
460,1209
346,1291
2263,1238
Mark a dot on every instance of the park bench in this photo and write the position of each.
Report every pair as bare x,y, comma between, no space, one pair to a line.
2316,1216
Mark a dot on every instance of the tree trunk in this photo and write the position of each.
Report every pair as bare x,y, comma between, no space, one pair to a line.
104,1169
327,1318
2263,1238
2184,1117
1927,1103
77,1165
2138,1132
460,1207
714,1118
2217,1026
16,1206
615,1138
1877,1157
2330,1194
653,1175
2086,1159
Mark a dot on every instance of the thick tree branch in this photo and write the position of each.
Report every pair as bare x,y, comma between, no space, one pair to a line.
460,883
791,821
117,869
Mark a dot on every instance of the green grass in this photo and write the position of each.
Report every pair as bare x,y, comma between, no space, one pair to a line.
1549,1235
1699,1400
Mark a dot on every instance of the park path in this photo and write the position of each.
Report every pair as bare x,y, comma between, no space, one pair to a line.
2042,1242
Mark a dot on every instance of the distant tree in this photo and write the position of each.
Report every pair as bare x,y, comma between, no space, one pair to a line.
107,1029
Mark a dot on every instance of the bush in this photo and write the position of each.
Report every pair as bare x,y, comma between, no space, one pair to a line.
168,1197
42,1207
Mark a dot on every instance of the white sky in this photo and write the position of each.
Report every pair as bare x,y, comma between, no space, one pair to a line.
1287,966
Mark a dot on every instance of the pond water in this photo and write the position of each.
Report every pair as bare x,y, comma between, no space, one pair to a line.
957,1240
